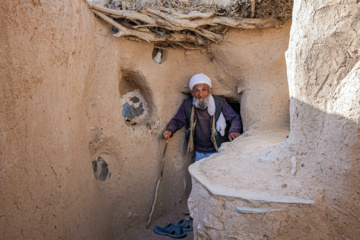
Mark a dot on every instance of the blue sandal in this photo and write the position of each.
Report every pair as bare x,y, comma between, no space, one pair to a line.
170,230
186,225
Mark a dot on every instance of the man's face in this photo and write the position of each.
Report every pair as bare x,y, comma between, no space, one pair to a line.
201,91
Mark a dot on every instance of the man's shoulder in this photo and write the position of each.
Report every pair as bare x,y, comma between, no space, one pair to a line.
218,98
188,101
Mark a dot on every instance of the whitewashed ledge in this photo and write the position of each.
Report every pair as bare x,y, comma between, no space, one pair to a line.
249,169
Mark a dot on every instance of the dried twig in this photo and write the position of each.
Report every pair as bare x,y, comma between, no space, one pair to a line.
194,15
123,31
252,9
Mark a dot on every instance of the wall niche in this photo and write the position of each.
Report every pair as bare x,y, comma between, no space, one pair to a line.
136,98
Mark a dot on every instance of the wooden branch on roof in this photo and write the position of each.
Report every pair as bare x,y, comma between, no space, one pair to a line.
125,14
193,15
167,25
252,8
247,23
125,32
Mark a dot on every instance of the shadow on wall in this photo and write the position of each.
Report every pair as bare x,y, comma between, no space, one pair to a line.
327,151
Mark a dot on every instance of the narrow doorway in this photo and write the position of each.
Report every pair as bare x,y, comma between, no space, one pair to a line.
236,106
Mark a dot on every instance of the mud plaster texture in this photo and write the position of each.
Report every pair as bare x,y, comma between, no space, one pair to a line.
72,166
269,184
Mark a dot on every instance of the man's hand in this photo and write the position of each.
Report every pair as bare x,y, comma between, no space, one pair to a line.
233,135
167,134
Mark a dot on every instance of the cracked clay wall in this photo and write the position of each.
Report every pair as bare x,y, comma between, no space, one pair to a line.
82,114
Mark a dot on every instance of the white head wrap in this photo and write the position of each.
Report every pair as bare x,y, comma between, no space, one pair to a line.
199,79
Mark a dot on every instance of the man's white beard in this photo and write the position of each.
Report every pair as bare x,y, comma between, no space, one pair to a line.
202,103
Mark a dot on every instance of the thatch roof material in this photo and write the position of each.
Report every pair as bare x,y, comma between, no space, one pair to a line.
189,23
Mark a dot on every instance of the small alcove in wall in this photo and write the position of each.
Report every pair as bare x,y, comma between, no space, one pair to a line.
136,98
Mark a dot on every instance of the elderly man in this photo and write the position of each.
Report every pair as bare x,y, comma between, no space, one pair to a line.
205,115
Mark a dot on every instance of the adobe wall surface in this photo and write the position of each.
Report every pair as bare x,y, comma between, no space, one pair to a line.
71,165
305,185
47,185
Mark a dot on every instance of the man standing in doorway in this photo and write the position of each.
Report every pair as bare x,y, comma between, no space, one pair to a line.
205,116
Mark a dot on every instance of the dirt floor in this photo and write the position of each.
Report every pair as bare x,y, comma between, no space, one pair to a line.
140,231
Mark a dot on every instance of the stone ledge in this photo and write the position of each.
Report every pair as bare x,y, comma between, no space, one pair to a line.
246,169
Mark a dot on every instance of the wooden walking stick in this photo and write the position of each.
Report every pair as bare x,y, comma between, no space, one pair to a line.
157,185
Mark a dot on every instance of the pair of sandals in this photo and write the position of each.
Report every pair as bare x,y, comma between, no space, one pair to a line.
175,231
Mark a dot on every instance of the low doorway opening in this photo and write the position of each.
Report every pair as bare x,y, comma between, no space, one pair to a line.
236,106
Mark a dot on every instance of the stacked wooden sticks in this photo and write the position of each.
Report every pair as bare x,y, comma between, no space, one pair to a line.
165,25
